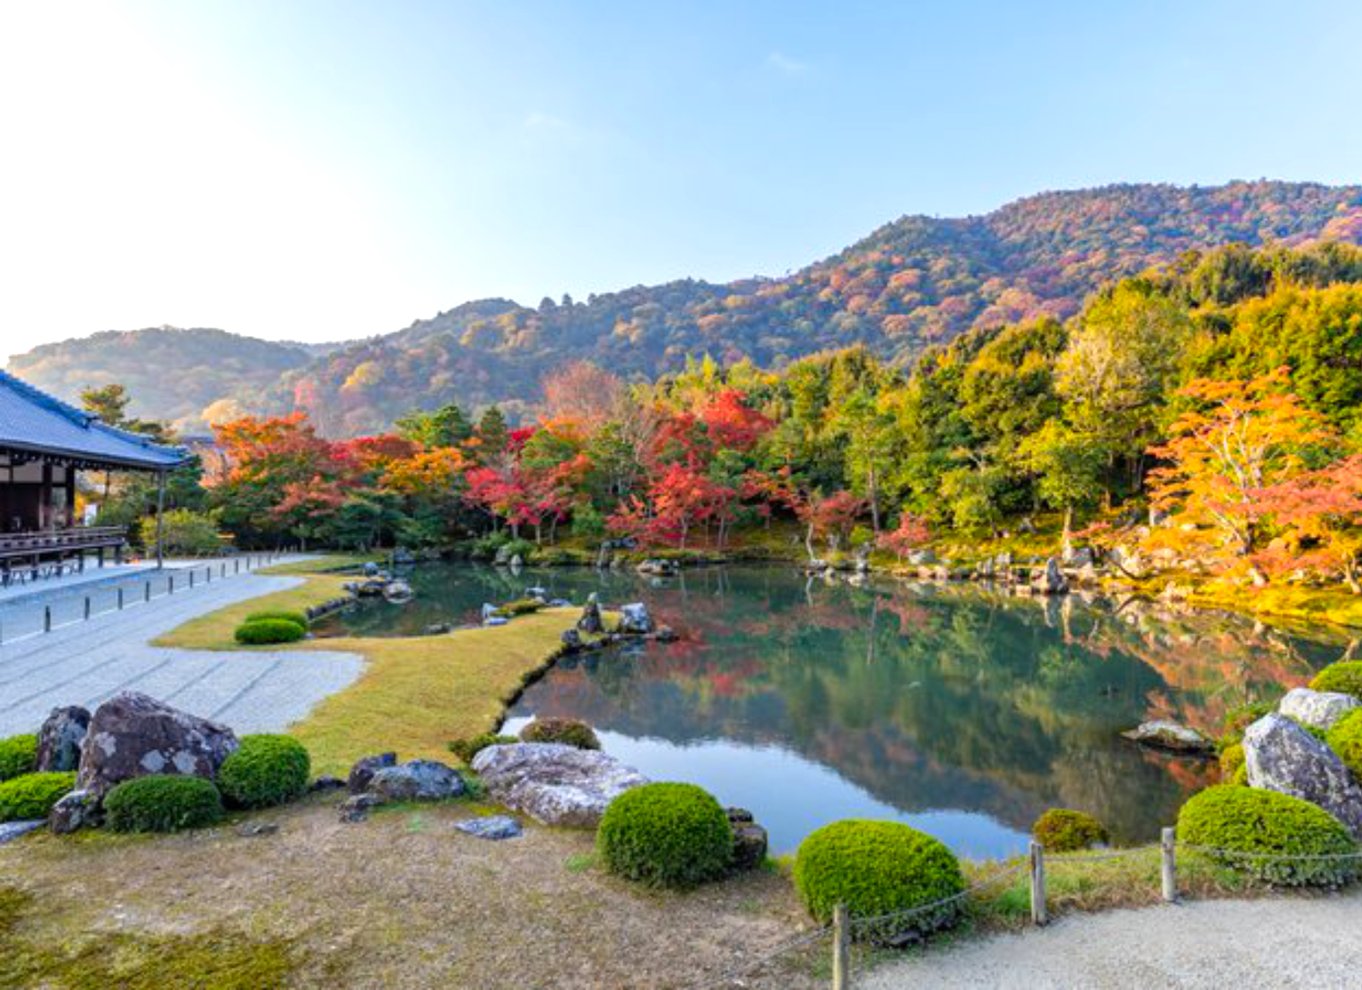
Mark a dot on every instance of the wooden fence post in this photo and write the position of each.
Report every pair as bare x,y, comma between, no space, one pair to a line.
120,599
1038,915
47,618
87,608
147,596
841,948
1168,848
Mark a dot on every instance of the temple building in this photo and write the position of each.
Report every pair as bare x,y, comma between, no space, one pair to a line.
44,443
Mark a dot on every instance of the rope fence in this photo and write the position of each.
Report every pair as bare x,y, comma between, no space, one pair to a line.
21,620
875,935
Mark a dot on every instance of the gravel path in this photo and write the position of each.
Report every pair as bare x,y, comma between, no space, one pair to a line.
88,662
1273,942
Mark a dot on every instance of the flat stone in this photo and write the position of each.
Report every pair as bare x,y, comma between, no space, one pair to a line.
417,780
1165,734
252,829
1317,709
1283,757
554,784
74,811
356,808
9,831
495,827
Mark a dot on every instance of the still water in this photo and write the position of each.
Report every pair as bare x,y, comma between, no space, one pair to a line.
963,712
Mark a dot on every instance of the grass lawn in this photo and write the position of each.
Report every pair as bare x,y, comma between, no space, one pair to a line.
325,563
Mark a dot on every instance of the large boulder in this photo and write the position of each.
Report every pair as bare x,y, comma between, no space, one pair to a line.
132,735
1317,709
1051,581
634,618
60,737
1162,733
1283,757
416,780
555,784
590,622
363,770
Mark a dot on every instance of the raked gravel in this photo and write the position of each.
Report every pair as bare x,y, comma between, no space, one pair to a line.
1273,942
88,662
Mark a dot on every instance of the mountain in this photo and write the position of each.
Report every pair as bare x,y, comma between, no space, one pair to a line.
914,282
171,374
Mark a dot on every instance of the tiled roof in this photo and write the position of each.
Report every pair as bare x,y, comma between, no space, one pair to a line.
33,421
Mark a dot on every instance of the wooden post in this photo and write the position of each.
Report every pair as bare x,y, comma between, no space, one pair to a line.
87,608
47,618
120,599
208,574
841,948
1038,915
147,595
191,579
1168,847
170,584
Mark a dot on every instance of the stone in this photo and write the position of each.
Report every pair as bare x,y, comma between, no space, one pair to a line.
398,592
658,568
364,769
1283,757
635,619
494,827
75,811
437,628
749,840
370,569
517,562
356,808
416,780
1080,557
60,737
665,634
251,830
1317,709
572,640
326,783
496,620
921,558
503,556
590,622
1051,581
1163,733
9,831
133,735
554,784
537,593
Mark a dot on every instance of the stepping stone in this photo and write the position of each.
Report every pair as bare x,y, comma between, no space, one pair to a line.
494,827
9,831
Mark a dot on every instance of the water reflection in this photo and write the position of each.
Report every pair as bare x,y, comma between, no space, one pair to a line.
962,712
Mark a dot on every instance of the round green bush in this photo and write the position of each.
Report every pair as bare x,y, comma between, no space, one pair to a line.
1231,761
1263,824
466,749
568,731
1065,830
1344,677
18,756
265,631
33,795
264,771
287,615
666,835
1345,739
162,803
876,868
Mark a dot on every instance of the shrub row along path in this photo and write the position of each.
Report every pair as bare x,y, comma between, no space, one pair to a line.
87,662
1273,942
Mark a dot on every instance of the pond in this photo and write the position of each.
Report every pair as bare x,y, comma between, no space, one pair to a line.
961,711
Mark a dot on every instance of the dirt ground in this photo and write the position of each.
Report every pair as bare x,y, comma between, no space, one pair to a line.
405,900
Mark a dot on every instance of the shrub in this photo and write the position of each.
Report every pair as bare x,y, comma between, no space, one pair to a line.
1344,677
875,868
1240,718
1264,823
287,615
265,631
1231,761
184,533
466,749
568,731
18,756
1064,830
33,795
162,803
521,606
1345,739
666,835
265,770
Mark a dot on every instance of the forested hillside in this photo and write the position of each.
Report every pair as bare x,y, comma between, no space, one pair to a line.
913,283
172,375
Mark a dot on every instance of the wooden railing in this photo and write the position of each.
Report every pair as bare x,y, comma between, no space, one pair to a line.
61,542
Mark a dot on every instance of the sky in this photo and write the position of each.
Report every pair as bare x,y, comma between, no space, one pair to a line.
327,169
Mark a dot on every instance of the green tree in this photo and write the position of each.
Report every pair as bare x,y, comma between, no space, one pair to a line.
1068,469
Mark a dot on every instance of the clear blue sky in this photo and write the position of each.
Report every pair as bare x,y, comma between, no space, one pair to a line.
334,169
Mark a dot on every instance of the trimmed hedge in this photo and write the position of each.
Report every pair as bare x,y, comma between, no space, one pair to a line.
521,606
18,756
1260,822
33,795
1232,761
1065,830
878,867
264,771
1345,739
666,835
1344,676
263,632
466,749
287,615
568,731
162,803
